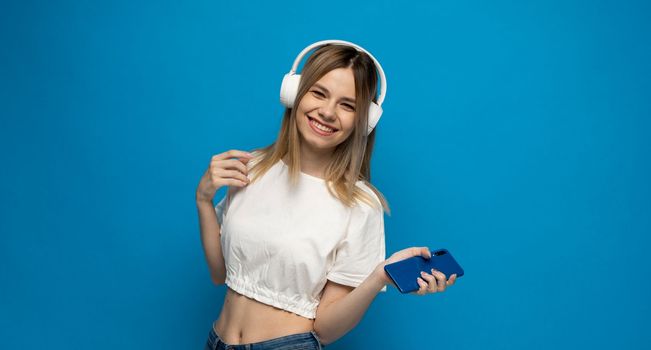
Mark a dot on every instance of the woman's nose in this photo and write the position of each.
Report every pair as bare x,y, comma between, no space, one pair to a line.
327,110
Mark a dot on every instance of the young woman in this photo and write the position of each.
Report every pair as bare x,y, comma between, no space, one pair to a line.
299,237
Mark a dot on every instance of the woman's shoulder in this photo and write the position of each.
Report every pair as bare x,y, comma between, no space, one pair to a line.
367,188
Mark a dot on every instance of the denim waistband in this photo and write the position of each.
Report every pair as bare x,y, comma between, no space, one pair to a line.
306,340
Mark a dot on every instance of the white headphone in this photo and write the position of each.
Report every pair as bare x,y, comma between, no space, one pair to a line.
289,87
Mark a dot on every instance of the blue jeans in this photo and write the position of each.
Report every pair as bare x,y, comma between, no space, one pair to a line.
300,341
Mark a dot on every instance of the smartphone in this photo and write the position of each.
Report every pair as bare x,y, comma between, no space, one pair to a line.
404,273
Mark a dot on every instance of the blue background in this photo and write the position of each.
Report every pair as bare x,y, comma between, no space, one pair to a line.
515,134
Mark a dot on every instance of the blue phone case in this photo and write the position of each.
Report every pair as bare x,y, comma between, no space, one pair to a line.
405,272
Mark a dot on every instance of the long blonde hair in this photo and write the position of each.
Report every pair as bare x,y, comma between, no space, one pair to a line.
351,159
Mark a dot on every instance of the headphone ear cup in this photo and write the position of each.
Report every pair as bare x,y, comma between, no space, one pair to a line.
289,89
374,114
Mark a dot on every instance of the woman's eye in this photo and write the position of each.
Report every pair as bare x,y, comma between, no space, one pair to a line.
317,93
351,108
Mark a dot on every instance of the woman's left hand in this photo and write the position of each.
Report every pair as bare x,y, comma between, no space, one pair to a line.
433,282
430,281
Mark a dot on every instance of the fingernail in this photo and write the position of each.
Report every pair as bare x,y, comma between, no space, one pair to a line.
422,273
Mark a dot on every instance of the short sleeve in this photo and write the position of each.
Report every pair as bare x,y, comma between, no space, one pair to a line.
362,249
220,209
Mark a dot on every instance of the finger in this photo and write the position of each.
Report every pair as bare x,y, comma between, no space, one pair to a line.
232,154
440,279
234,174
431,282
234,182
243,160
422,251
232,164
423,286
452,279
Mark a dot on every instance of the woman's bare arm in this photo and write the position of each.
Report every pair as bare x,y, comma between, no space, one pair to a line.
342,307
225,169
210,239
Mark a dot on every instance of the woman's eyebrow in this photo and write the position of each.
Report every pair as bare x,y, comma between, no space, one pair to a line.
328,91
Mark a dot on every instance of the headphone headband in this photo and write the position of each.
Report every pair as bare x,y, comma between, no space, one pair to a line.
383,80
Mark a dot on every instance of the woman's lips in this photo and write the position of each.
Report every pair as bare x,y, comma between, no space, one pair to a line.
320,128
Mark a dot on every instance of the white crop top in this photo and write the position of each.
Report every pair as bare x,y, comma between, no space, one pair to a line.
281,243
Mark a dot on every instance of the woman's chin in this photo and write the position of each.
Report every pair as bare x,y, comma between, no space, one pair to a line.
319,145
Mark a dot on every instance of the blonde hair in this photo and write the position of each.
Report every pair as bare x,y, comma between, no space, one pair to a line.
351,159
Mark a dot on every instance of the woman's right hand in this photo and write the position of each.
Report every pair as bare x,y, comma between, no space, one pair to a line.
225,169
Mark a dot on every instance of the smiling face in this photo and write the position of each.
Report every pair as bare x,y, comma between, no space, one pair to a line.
326,114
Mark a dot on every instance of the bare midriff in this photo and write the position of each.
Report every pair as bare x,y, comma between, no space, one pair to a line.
244,320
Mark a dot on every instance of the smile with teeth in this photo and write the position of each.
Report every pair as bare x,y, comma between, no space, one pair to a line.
320,127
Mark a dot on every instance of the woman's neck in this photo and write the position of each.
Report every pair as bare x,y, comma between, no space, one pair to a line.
314,162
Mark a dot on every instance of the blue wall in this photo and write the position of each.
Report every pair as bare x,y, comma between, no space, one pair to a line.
515,134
